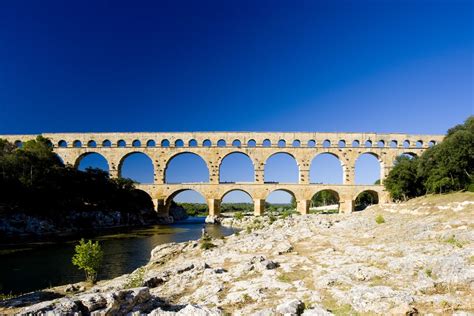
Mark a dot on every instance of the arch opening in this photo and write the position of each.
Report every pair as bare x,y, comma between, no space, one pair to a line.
207,143
365,199
235,201
136,143
165,143
121,143
266,143
252,143
106,143
221,143
324,202
186,168
179,143
138,167
367,169
190,201
92,160
150,143
342,143
193,143
280,201
281,168
236,143
296,143
236,167
62,144
326,168
77,144
311,143
355,143
393,144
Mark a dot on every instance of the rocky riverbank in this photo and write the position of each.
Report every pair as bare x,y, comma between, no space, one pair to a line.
396,259
21,224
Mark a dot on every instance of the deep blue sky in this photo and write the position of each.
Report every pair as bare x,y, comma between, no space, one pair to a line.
383,66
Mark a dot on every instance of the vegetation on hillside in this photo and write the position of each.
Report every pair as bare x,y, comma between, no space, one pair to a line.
446,167
34,181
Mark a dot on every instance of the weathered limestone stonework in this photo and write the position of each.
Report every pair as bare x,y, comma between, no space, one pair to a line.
303,147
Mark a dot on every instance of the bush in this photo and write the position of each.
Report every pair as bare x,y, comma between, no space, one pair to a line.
88,257
238,216
206,243
136,278
379,219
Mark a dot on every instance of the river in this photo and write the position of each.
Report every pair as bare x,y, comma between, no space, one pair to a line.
33,266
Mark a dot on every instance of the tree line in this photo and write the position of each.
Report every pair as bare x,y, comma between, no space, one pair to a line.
34,180
445,167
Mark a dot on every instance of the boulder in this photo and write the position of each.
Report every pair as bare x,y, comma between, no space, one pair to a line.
292,307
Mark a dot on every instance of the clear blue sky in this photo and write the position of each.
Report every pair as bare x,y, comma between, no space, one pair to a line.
382,66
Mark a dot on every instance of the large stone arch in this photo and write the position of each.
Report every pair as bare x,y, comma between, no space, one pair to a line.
236,152
331,154
272,154
377,156
79,158
375,198
181,153
321,191
127,155
248,192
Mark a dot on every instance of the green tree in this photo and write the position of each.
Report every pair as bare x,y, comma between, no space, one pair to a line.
293,202
446,167
402,182
88,257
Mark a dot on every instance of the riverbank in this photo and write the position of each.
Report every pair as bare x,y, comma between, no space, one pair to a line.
414,257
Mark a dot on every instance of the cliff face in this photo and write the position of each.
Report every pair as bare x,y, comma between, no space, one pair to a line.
395,259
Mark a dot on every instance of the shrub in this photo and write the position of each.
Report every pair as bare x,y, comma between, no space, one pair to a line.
239,216
88,257
136,278
428,272
453,241
206,243
379,219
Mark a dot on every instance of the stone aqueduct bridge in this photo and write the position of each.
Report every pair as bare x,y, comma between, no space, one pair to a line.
303,147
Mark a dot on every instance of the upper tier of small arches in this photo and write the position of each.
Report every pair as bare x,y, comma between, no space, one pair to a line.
238,140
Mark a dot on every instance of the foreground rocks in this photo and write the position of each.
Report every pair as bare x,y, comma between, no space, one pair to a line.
420,261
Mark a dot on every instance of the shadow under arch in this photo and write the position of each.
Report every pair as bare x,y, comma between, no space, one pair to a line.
91,154
332,167
149,165
174,158
325,201
365,198
237,154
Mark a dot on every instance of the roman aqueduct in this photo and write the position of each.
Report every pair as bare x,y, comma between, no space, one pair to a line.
213,147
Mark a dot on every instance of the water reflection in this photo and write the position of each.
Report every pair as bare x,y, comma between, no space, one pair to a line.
38,266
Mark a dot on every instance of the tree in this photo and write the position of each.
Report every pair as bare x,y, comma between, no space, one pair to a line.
88,257
402,182
447,166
